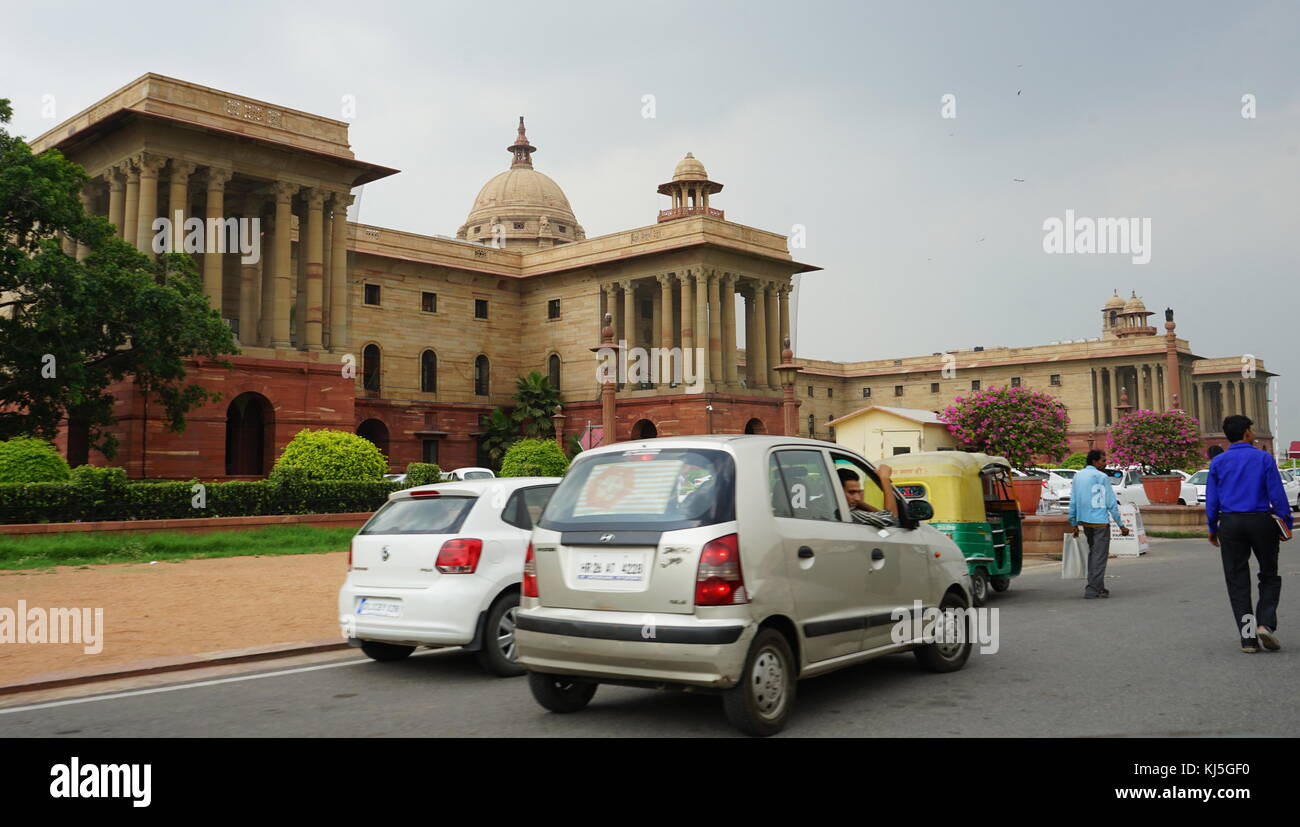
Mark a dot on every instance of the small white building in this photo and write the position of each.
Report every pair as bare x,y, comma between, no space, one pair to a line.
878,432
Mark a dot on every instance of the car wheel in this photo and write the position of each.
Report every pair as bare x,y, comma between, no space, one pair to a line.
760,703
950,652
385,651
979,586
498,655
1000,584
560,693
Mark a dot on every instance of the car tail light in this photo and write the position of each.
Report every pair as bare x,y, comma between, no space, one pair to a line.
459,556
530,573
718,579
349,556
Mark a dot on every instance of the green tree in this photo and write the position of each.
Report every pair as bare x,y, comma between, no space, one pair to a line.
499,432
534,458
24,459
333,455
535,404
1076,461
1012,422
70,329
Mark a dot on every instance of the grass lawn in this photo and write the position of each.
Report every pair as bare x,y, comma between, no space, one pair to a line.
78,548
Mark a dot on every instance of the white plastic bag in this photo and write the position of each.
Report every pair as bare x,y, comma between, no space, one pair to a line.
1074,564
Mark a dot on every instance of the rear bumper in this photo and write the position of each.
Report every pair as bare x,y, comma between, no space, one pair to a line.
444,614
625,646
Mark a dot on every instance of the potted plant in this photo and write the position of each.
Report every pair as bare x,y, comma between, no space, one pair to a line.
1012,422
1159,441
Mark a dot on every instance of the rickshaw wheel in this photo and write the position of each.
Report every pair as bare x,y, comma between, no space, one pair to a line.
1000,584
979,583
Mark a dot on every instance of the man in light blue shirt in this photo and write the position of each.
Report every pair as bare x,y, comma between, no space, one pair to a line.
1092,505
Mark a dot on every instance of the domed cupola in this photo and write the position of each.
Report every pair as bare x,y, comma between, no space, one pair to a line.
689,190
521,207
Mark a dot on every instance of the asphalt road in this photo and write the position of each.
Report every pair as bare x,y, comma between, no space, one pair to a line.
1158,658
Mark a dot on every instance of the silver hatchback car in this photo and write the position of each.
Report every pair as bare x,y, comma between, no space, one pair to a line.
726,563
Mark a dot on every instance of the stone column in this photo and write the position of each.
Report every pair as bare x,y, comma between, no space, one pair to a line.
178,201
616,310
116,198
250,292
665,310
729,330
131,213
149,167
284,192
760,372
784,294
629,312
701,328
687,310
339,274
773,329
314,250
266,303
750,377
714,343
215,212
1112,410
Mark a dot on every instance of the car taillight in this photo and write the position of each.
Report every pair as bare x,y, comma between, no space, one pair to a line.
459,556
718,579
349,557
530,573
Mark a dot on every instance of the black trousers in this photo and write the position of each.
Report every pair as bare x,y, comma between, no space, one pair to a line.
1239,535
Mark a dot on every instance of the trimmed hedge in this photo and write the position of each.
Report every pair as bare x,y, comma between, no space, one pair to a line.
422,473
534,458
27,459
49,502
334,455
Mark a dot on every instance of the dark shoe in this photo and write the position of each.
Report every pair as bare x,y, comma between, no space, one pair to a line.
1092,596
1267,638
1105,592
1249,650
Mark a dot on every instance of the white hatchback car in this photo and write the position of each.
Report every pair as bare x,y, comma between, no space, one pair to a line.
731,564
440,565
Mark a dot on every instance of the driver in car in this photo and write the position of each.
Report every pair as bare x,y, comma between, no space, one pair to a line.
858,508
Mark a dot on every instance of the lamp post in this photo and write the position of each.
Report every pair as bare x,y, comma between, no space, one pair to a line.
786,372
605,350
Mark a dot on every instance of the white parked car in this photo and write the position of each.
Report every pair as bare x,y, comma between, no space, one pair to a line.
1197,481
1290,484
1129,488
440,565
474,473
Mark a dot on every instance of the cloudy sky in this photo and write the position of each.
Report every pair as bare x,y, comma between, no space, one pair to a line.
827,115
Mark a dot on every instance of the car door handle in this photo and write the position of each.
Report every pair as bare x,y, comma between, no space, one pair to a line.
877,554
805,552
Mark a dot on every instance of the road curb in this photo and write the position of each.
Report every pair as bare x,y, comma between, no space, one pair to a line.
178,664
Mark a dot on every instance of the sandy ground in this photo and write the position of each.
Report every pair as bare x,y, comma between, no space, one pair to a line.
177,608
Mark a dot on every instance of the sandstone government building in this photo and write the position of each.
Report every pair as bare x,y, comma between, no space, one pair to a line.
439,328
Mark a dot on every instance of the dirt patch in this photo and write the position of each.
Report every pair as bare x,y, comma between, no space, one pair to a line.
178,608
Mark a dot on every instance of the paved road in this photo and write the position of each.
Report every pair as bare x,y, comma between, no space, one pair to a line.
1158,658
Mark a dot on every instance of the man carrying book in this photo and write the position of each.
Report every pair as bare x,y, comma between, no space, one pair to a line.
1246,508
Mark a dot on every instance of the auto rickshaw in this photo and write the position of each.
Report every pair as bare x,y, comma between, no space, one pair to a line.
974,505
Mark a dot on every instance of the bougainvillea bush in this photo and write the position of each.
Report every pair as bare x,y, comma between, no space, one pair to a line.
1159,440
1016,423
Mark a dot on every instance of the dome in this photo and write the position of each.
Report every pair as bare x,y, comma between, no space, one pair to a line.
522,196
1115,302
1135,305
689,169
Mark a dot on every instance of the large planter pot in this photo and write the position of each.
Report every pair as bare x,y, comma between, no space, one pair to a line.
1162,490
1028,493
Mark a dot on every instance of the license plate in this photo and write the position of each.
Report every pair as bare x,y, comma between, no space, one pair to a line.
379,608
610,569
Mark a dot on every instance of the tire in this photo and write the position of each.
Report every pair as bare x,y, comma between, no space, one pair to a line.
1000,584
941,657
499,655
761,702
560,693
385,651
979,586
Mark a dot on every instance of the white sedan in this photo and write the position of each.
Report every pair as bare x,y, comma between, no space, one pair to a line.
1129,488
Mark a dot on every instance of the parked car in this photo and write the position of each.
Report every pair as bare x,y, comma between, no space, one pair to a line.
1291,486
1059,484
395,477
1129,488
1197,481
728,564
440,565
473,473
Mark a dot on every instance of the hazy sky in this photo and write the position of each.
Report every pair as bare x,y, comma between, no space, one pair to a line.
821,114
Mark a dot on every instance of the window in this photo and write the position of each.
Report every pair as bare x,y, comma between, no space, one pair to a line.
553,370
647,309
832,434
370,368
429,302
420,515
901,449
480,308
476,229
563,228
810,391
481,376
974,384
898,390
934,387
812,424
553,309
429,451
1056,378
830,392
1015,381
866,393
428,372
372,294
526,505
872,494
519,225
801,486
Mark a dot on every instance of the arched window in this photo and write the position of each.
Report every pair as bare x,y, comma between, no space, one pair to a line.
481,376
553,370
370,368
812,424
428,372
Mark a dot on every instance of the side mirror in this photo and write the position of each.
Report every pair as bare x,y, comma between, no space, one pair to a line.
919,510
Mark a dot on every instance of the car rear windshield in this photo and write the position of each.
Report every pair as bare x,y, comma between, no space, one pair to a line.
420,515
1199,477
661,489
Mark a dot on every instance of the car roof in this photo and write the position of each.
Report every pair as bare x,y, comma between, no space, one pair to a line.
733,442
473,488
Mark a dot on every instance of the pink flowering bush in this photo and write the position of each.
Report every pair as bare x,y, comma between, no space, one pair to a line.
1015,423
1159,440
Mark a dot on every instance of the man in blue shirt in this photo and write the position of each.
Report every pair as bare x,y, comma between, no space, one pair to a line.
1243,492
1092,505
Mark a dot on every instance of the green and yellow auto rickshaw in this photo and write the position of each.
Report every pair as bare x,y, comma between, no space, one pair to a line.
974,505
